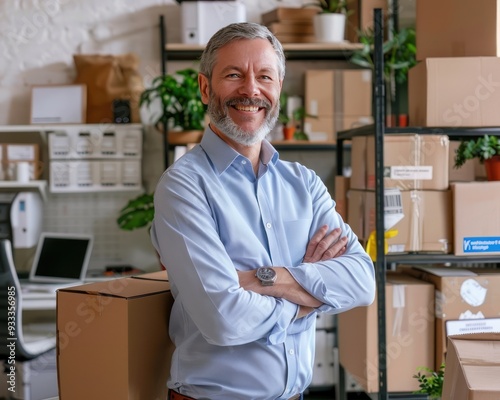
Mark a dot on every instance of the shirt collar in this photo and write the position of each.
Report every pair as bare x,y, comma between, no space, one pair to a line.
222,155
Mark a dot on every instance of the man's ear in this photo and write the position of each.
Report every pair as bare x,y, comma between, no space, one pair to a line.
204,88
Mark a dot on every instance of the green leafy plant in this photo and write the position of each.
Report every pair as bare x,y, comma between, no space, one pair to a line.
399,53
331,6
431,382
482,147
297,118
138,213
180,98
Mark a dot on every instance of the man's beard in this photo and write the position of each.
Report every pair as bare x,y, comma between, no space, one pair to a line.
219,116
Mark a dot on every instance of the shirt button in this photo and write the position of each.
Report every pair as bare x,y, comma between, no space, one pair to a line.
268,225
292,352
243,162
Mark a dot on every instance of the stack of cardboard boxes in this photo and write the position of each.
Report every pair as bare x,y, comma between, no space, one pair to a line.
446,210
291,25
457,84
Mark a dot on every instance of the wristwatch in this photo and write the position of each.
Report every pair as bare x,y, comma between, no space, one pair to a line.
266,275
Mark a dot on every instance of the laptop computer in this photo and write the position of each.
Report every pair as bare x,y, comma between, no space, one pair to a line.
61,260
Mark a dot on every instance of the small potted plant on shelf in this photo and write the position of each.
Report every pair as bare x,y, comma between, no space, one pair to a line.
329,23
181,108
292,124
431,382
486,149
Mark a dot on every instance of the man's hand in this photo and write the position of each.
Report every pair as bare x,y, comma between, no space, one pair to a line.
324,245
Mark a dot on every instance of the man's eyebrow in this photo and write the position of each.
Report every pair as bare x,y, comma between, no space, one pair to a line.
264,69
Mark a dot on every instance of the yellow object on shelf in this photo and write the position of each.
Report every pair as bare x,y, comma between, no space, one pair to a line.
371,245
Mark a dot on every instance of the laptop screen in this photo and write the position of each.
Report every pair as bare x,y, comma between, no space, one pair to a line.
61,257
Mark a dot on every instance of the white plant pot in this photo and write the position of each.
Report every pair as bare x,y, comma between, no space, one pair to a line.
329,28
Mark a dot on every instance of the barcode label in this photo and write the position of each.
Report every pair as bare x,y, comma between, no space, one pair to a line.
393,202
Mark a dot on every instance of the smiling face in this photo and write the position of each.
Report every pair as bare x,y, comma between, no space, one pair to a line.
243,94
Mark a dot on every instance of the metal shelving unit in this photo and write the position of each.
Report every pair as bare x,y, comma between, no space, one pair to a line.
383,261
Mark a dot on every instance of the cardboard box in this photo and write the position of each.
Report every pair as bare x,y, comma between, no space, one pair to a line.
449,28
356,205
358,162
466,173
410,162
342,185
117,333
461,91
320,92
472,367
361,18
12,153
338,92
296,14
409,335
476,221
320,129
460,293
425,227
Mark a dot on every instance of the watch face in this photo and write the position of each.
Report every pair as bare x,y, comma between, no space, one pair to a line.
266,275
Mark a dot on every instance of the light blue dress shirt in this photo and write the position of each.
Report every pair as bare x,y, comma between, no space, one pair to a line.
213,216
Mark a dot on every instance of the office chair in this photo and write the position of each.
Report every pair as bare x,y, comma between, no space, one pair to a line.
18,341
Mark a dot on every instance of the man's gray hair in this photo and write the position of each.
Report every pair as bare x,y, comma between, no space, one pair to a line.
238,31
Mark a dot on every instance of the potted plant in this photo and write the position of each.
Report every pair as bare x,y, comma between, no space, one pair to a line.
399,56
292,124
137,213
485,148
329,23
431,383
181,106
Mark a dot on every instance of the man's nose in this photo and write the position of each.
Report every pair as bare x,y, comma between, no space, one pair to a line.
250,86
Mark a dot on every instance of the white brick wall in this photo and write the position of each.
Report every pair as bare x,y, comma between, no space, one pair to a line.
39,37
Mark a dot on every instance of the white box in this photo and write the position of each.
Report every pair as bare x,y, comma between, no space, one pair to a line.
96,142
58,104
94,175
201,19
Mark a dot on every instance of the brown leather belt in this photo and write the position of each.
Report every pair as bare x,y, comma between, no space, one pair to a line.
173,395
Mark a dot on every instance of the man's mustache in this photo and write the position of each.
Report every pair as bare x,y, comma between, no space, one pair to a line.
247,101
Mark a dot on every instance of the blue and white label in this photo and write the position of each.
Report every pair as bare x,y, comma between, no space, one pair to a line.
488,244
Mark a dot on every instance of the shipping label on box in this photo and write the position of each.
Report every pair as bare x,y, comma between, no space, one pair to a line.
411,162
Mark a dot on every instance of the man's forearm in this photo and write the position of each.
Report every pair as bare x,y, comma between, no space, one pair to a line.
285,287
